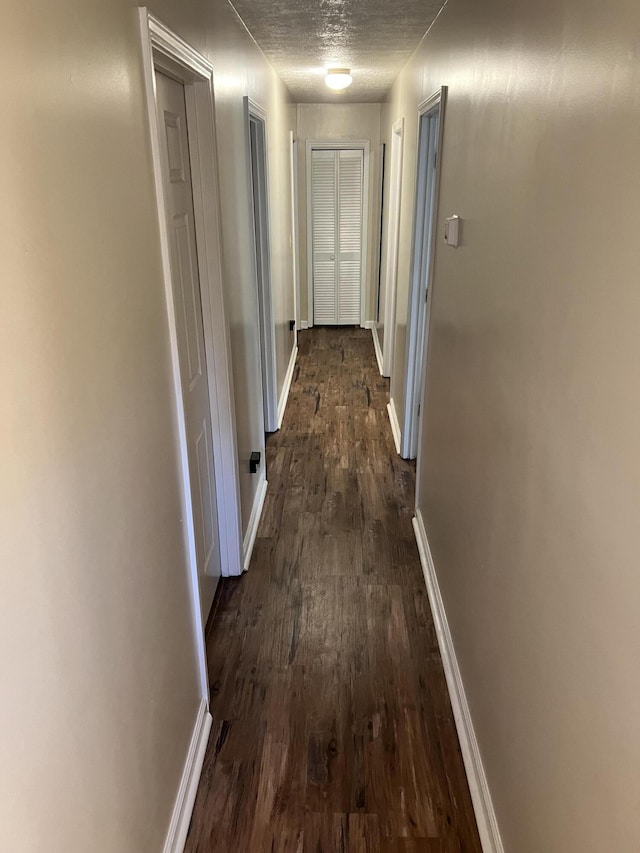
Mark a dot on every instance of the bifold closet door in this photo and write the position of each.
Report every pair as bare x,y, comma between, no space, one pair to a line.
336,209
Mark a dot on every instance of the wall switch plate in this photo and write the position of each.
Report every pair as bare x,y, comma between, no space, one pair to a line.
452,230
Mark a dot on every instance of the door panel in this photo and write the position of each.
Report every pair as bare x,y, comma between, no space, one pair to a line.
350,168
190,330
205,492
187,314
324,222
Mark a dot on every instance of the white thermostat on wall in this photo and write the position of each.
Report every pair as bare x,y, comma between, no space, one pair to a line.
452,230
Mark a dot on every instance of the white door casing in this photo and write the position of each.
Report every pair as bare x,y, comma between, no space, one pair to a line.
337,178
256,127
174,146
295,236
430,134
328,279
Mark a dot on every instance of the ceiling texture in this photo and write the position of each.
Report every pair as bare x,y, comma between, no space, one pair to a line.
302,38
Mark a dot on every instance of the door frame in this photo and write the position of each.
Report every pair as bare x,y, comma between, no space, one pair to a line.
419,316
164,51
254,113
393,240
295,232
340,144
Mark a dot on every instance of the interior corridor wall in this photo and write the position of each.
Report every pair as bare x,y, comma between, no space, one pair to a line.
341,122
99,674
530,487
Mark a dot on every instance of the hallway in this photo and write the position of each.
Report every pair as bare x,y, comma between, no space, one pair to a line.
332,727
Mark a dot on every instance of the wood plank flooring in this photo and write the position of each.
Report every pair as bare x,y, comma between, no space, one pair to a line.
332,731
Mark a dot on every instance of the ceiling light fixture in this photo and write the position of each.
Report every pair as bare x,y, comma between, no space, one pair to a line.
338,78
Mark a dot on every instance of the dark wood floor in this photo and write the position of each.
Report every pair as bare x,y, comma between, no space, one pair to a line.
332,724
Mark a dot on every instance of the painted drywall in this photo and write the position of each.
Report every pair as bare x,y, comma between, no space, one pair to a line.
99,676
530,477
341,122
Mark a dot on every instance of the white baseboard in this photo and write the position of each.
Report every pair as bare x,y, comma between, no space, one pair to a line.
254,521
369,324
478,786
284,396
185,798
377,347
304,324
395,426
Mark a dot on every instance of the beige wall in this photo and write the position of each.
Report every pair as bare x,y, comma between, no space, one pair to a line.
530,484
341,122
99,678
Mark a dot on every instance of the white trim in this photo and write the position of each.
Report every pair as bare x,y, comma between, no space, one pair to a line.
164,50
295,235
264,296
165,43
478,785
418,313
393,245
377,347
204,168
254,522
369,324
304,324
395,426
284,396
432,101
185,798
340,144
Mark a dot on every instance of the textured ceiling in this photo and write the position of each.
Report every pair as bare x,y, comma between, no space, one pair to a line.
301,38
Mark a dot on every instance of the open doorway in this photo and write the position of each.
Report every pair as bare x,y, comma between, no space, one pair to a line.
256,119
388,296
430,128
179,99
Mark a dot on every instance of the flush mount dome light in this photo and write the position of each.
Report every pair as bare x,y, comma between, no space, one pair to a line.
338,78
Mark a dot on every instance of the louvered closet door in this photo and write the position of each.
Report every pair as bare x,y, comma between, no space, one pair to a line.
325,221
336,208
349,236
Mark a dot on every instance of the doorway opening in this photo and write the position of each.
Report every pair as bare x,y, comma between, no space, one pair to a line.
388,297
179,98
430,130
256,123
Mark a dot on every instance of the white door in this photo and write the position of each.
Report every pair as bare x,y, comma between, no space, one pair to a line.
337,178
190,331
